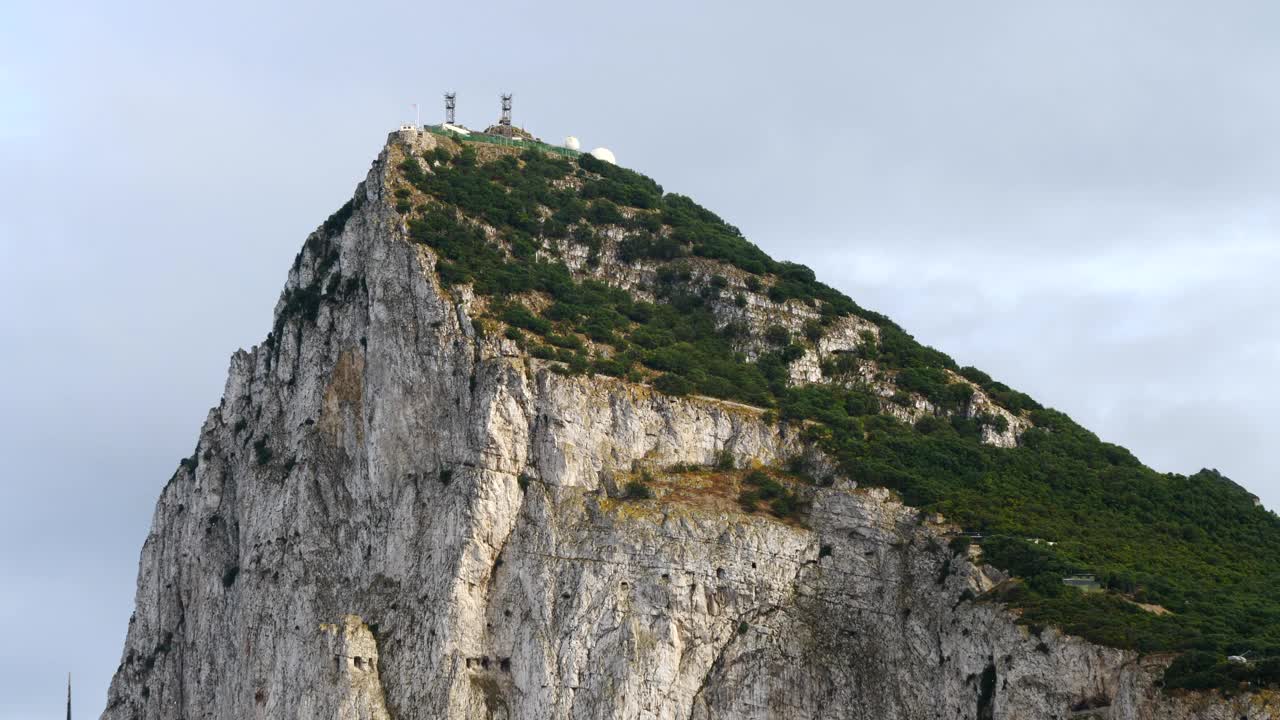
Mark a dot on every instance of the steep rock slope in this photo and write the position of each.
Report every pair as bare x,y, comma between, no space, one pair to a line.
394,515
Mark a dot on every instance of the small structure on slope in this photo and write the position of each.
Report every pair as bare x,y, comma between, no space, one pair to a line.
1086,583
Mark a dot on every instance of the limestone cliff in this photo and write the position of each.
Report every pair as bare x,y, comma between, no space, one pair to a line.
392,515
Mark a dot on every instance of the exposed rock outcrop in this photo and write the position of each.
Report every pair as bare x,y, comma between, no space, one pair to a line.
392,516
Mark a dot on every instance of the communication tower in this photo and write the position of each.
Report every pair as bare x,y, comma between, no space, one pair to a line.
450,101
505,120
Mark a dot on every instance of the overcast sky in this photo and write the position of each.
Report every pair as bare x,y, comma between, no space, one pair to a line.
1079,197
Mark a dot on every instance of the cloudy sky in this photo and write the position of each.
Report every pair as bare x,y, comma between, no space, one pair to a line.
1079,197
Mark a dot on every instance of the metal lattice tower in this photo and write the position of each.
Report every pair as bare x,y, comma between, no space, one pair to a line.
450,101
506,111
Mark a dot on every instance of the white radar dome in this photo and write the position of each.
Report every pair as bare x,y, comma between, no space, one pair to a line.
604,154
572,143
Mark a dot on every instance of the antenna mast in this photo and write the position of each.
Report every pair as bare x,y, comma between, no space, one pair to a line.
450,101
506,110
68,696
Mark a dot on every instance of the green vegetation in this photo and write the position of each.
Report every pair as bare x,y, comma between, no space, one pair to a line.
229,576
337,222
326,286
1196,545
636,490
1200,670
261,453
935,385
782,501
724,460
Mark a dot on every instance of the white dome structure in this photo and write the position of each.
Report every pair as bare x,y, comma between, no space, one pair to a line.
572,143
605,154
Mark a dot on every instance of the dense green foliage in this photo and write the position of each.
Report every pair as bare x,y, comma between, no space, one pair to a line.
261,453
1196,545
1201,670
764,489
1062,502
636,490
696,231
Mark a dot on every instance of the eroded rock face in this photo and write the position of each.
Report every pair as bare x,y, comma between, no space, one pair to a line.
389,516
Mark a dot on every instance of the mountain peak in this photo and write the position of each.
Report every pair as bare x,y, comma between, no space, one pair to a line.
532,436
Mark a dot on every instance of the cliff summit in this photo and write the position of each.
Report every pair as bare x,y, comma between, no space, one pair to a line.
533,438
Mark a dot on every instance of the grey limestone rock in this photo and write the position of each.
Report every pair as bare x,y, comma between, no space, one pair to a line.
390,516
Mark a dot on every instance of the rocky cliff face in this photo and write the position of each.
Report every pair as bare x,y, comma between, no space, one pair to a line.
390,515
